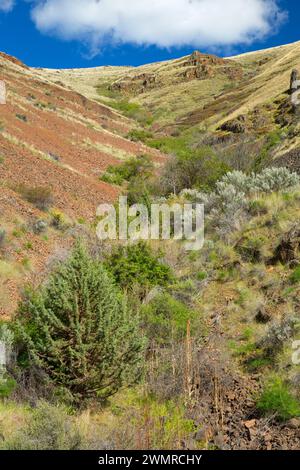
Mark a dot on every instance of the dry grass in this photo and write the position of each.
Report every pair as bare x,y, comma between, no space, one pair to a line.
267,75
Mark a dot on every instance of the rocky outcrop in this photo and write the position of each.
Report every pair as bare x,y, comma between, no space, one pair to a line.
236,126
294,78
197,59
287,250
203,66
136,84
200,72
295,92
197,66
290,160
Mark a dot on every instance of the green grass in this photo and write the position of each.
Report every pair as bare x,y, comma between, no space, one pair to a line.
277,398
295,276
171,145
7,386
133,111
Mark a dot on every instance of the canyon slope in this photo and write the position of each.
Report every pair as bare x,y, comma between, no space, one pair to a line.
55,143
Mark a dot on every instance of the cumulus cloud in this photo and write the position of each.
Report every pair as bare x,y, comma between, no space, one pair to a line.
164,23
6,5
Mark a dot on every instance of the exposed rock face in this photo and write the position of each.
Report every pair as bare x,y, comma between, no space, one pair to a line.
202,66
197,66
201,72
294,78
290,160
237,126
137,84
295,89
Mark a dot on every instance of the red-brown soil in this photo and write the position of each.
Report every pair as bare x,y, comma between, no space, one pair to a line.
53,137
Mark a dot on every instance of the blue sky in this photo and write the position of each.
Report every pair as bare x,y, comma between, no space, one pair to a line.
65,34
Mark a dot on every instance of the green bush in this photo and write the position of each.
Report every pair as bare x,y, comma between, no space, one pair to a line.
295,276
201,276
200,168
277,398
165,319
78,330
7,385
139,167
137,264
139,135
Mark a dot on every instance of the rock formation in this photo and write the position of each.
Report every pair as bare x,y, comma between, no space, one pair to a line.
294,78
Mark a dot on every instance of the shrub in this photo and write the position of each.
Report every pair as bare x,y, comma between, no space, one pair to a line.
165,319
229,203
226,208
200,168
39,196
257,207
269,180
295,276
140,166
278,333
39,226
137,264
277,398
7,385
139,135
57,220
78,330
49,427
275,179
239,180
201,276
155,424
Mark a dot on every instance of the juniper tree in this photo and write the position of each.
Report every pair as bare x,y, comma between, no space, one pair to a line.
79,331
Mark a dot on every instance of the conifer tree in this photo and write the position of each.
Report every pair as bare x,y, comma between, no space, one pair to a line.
78,329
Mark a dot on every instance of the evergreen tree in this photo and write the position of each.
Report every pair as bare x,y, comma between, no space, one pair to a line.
79,331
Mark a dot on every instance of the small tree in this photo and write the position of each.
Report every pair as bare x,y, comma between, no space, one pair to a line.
79,331
137,264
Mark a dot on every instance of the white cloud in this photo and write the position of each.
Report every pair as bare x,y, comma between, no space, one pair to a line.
164,23
6,5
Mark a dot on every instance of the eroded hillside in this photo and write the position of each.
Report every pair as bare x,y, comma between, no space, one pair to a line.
54,144
235,99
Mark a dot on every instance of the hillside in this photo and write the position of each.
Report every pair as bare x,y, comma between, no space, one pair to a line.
57,141
236,98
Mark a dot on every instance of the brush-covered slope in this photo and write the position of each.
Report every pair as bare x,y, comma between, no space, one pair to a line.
175,88
54,146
